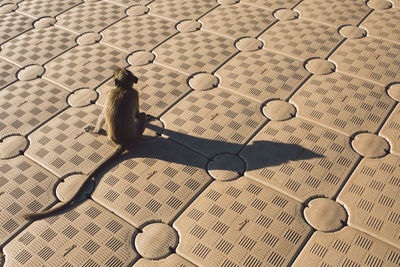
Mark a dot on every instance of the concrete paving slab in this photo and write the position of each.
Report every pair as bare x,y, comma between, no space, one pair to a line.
42,8
13,23
8,72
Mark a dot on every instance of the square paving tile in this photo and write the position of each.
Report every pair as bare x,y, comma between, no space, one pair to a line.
272,4
13,24
178,10
391,130
42,8
8,72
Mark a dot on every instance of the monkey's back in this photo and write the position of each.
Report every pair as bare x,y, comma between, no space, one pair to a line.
121,106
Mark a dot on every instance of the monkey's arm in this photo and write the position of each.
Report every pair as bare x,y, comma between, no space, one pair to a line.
99,123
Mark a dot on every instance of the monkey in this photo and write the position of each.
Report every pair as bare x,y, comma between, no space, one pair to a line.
124,126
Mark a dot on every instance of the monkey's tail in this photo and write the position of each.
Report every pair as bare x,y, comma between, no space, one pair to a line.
62,206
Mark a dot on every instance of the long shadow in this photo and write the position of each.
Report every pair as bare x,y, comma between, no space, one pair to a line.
257,154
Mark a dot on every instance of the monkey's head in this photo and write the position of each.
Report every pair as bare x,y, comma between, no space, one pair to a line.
124,78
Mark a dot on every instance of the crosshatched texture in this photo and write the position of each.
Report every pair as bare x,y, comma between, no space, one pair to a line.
262,75
26,104
369,58
63,146
38,46
384,24
178,10
299,158
152,183
128,3
25,187
158,86
272,4
343,102
85,66
391,130
301,38
348,247
171,260
338,12
213,122
7,73
91,16
138,33
195,51
88,235
237,20
40,8
13,24
241,223
371,197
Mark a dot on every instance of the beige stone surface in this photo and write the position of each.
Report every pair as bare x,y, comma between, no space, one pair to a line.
273,133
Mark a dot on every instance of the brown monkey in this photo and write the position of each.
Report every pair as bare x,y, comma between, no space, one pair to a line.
124,126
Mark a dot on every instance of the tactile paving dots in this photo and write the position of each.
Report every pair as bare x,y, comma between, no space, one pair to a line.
391,130
39,8
154,182
158,86
88,235
343,102
301,38
336,12
85,66
213,122
179,10
369,58
38,46
237,20
25,187
299,158
241,223
371,197
195,51
384,24
63,146
348,247
13,24
91,16
7,72
262,75
138,33
26,104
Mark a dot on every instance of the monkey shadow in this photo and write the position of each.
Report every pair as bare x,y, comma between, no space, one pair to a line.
257,154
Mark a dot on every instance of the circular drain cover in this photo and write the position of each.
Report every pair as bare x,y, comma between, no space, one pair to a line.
320,66
140,58
13,146
157,241
226,167
325,215
352,32
279,110
30,72
286,14
88,38
44,22
394,91
203,81
248,44
137,10
370,145
188,26
379,4
82,97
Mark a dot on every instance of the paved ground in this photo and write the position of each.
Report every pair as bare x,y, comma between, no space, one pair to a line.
275,139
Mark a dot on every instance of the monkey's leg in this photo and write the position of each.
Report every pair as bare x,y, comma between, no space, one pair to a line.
100,122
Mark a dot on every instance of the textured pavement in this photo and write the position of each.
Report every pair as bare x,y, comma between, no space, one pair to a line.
275,138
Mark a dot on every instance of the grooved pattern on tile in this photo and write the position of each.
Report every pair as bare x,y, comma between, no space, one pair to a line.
171,260
138,32
348,247
152,183
384,24
237,20
41,8
339,12
91,16
178,10
195,51
25,187
63,146
371,198
343,102
13,24
272,4
369,58
301,38
85,66
88,235
158,86
7,73
26,104
299,158
214,121
38,46
262,75
241,223
391,130
128,3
